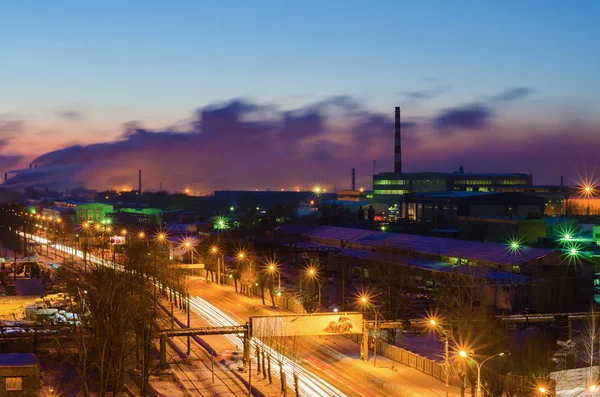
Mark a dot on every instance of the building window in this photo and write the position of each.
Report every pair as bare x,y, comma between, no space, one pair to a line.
13,384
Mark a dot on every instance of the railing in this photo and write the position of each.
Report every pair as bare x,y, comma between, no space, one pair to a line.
408,358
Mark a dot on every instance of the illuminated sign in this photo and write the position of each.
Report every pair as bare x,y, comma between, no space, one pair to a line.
117,240
309,324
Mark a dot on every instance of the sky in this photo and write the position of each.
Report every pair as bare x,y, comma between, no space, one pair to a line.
282,95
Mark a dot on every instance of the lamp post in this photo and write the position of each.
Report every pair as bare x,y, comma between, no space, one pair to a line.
588,193
273,269
243,256
464,354
365,300
313,273
215,251
436,325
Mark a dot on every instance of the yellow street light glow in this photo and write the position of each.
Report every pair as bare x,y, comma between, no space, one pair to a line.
462,353
432,322
188,244
124,232
109,229
542,389
271,267
97,226
592,387
161,236
364,299
142,235
241,255
214,249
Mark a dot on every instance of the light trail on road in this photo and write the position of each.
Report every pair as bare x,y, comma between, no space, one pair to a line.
308,383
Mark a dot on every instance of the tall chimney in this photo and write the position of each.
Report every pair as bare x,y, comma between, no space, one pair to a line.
353,179
461,169
5,177
374,165
561,181
397,143
140,181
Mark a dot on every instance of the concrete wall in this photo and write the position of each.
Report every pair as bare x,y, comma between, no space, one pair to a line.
573,378
30,385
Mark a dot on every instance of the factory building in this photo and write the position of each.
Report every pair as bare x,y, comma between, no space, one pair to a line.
391,187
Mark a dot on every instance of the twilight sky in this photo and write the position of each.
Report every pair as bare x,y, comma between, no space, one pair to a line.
273,94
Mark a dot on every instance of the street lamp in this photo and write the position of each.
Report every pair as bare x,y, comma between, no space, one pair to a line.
242,256
464,354
365,300
273,269
313,273
434,323
215,251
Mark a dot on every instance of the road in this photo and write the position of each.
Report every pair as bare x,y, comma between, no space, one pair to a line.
334,359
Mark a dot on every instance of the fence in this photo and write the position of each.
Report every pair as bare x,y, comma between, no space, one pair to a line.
408,358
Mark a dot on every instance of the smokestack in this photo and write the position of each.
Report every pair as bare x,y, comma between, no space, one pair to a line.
561,181
397,143
140,181
374,165
353,179
461,169
160,186
5,177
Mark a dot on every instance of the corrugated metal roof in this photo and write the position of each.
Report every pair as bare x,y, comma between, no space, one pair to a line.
469,250
431,265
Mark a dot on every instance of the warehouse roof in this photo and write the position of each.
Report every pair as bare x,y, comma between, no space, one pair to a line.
469,250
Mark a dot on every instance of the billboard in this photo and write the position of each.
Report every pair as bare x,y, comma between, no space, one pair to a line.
307,324
117,240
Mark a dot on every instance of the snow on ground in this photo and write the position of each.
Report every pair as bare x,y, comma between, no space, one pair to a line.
578,391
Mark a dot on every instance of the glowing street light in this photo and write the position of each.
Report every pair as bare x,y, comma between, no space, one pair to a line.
547,392
464,354
124,232
141,234
220,262
434,324
313,273
365,300
273,269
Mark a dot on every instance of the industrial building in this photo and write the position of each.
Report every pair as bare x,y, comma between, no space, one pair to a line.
443,209
511,279
391,187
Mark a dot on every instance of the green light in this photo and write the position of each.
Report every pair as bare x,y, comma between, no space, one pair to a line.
221,222
514,245
231,208
383,228
567,237
573,251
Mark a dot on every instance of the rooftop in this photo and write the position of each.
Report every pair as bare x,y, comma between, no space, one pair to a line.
18,360
431,265
424,245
